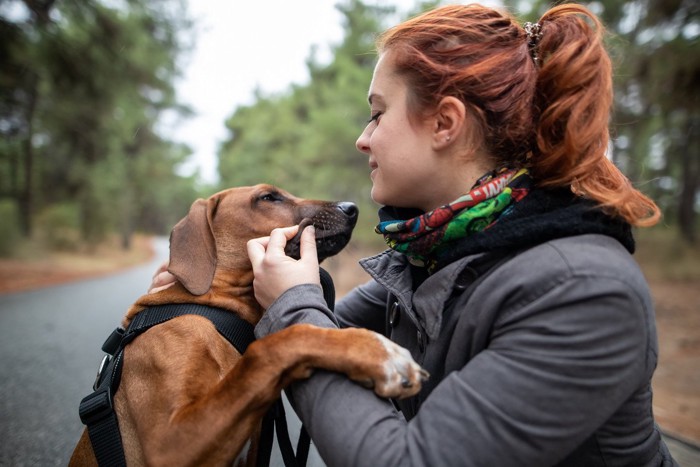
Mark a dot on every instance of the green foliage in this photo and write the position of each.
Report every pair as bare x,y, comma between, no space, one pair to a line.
89,80
58,227
10,234
664,257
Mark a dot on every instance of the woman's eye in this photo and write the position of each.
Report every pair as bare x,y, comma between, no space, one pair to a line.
375,117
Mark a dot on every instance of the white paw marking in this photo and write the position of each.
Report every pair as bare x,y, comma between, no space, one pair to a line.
403,376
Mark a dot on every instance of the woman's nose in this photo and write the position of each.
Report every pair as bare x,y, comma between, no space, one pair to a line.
362,143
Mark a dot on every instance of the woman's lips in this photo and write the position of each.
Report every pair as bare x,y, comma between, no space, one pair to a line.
373,167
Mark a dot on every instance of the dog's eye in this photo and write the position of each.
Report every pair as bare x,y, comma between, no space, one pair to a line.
270,197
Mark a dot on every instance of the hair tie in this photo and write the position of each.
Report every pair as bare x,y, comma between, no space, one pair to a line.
534,34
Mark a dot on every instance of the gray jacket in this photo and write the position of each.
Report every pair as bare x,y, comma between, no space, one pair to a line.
547,362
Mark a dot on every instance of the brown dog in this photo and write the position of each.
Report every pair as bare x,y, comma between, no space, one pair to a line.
186,396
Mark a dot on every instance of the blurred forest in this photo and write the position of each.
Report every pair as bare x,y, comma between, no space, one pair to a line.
85,84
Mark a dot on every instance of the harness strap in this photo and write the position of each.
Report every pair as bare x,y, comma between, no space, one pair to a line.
97,412
235,329
97,409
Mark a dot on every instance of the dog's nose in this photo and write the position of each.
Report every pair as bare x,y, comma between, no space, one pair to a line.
349,209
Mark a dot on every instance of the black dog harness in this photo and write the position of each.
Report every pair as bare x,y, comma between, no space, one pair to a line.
97,409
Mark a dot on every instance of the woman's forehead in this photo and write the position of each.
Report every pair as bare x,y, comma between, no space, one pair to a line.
384,80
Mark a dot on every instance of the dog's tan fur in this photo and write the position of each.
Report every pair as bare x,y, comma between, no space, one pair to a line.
186,396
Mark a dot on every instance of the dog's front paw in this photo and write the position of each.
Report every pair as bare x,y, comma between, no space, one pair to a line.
403,377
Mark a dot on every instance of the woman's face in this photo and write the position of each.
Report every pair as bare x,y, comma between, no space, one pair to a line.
405,170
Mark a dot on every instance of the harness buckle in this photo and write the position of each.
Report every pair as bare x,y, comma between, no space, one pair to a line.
103,364
112,343
96,406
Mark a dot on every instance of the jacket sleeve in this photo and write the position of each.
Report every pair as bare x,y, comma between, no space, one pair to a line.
558,366
363,307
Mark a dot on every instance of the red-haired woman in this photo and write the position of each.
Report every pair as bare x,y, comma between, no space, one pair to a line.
509,275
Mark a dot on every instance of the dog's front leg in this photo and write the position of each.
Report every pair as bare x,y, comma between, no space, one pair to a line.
209,424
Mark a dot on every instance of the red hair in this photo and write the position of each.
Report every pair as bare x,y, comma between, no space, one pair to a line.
551,117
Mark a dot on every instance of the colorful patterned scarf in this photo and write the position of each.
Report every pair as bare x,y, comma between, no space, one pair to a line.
424,237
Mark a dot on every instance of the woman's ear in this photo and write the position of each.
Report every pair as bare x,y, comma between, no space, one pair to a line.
449,117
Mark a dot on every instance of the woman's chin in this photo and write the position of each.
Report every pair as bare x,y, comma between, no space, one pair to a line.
377,197
382,198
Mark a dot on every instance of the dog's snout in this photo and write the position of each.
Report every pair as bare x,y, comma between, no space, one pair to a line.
349,209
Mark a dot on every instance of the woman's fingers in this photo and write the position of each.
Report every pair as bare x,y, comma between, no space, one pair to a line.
307,246
162,268
274,271
256,250
274,243
279,239
155,289
162,279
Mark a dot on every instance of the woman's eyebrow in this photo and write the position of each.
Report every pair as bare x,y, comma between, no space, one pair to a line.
372,97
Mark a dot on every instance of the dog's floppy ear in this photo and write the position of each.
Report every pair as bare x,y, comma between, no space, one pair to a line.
193,250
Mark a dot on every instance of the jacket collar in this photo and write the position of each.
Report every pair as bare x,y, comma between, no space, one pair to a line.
543,215
424,306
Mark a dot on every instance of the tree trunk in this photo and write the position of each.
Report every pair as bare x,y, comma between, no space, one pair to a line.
690,183
40,11
25,194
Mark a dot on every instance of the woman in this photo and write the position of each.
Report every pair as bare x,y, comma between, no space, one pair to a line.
509,275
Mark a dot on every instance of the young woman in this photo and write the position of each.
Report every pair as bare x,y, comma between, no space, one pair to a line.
509,275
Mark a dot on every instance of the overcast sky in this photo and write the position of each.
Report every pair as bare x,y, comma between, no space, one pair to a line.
241,45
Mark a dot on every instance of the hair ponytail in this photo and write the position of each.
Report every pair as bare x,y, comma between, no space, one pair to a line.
574,98
541,98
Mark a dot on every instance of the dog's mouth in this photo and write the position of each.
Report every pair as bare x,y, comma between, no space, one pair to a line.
330,237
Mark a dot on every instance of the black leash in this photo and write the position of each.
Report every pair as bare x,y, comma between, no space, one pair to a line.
276,421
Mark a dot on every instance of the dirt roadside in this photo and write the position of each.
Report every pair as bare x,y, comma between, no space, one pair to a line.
676,382
44,270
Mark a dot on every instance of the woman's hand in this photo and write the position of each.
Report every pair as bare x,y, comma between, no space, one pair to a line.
274,271
162,279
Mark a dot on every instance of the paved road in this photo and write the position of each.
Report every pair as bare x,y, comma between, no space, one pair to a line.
50,343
